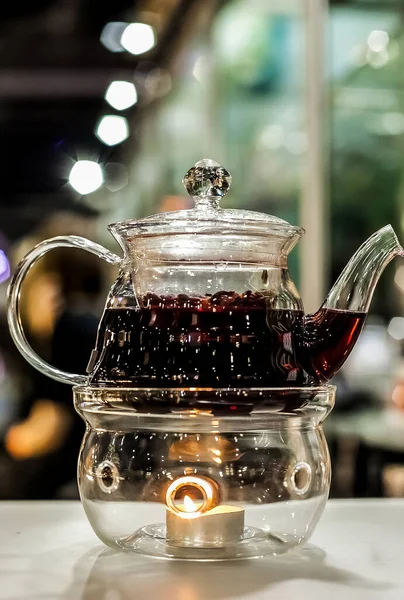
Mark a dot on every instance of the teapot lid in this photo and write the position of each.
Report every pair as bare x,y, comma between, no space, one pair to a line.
206,182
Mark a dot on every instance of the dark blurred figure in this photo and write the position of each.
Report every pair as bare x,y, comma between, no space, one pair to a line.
60,314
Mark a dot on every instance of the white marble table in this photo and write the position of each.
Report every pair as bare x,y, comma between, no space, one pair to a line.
48,551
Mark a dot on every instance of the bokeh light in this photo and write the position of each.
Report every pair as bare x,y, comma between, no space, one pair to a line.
4,267
377,60
378,40
396,328
86,176
157,83
138,38
399,277
112,130
377,54
201,69
116,176
111,35
121,94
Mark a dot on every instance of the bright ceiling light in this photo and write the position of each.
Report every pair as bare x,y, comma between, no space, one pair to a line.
121,94
86,176
112,130
138,38
111,36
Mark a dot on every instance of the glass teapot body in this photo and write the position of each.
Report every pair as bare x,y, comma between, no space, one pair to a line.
194,312
204,301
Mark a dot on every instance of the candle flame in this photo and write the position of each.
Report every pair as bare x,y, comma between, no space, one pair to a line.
185,506
189,504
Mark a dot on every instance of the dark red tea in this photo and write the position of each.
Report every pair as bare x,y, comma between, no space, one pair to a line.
221,341
328,338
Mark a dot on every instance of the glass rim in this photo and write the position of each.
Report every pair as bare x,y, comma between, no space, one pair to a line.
165,227
162,407
326,388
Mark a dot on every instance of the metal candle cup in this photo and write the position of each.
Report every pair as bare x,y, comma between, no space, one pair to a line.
201,523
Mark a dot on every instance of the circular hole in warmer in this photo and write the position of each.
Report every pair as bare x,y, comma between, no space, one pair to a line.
301,478
108,477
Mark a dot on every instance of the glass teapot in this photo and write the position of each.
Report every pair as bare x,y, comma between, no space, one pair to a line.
204,300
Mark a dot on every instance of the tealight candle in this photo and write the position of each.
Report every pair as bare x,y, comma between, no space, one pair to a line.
201,523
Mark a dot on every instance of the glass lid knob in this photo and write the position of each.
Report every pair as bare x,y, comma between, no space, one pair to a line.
206,182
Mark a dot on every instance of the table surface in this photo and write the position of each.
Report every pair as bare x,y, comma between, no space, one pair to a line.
48,551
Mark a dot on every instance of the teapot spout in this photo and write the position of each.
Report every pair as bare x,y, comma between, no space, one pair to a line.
353,290
330,334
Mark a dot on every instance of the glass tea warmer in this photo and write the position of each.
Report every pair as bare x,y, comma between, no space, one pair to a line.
208,385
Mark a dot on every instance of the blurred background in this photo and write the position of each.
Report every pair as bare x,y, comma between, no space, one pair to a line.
103,108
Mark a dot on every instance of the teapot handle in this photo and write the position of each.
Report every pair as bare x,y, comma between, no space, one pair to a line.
14,291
